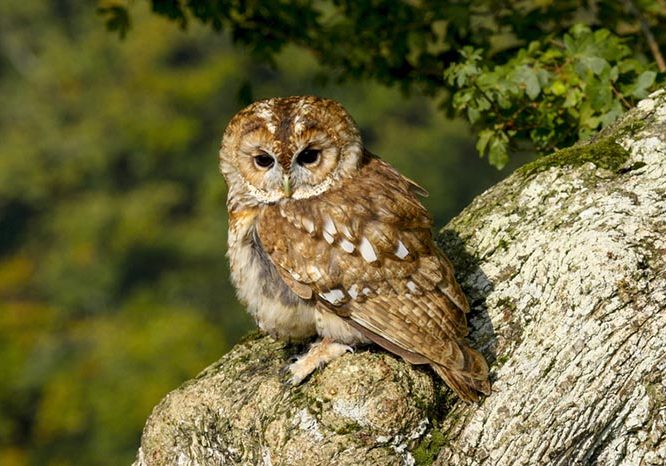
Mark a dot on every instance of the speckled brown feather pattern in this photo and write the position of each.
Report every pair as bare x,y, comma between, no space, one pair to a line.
348,254
384,211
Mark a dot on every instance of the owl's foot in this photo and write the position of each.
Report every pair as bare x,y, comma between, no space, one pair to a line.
320,354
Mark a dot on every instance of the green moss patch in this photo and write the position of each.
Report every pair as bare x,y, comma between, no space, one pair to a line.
426,452
605,153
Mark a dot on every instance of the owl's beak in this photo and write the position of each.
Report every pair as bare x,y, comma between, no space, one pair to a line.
286,187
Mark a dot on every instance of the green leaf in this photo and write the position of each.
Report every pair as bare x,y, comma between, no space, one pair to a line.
498,154
573,98
579,30
613,114
482,141
558,88
599,93
473,115
643,83
594,64
526,76
533,88
589,120
482,103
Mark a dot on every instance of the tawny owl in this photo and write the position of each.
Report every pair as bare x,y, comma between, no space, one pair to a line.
327,239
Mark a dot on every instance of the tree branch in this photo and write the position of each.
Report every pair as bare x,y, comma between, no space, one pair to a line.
649,37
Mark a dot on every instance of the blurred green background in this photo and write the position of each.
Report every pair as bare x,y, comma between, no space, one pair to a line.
113,276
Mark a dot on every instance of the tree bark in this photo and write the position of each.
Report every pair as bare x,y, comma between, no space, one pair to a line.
564,263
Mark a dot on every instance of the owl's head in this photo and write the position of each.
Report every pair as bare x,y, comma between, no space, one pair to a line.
288,148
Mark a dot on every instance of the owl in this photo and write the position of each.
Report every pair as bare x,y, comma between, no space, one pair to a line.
328,240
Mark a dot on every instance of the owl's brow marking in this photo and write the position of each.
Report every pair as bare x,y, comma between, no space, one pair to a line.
265,112
250,127
299,125
284,129
303,123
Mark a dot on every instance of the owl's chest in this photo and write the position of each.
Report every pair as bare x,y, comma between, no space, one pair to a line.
277,309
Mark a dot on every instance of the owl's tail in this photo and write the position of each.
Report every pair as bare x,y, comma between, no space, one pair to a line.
470,378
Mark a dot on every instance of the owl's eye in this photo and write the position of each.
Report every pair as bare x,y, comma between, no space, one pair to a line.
264,161
308,157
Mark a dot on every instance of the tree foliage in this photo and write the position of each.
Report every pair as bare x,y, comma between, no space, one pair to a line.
544,72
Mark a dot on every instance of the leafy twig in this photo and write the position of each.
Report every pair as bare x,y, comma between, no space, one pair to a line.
619,95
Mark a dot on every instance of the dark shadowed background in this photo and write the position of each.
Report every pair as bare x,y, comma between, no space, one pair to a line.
113,277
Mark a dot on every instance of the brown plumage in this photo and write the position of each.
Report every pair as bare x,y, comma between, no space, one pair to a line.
326,238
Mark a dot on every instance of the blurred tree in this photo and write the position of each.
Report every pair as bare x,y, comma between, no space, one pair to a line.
112,263
519,71
113,280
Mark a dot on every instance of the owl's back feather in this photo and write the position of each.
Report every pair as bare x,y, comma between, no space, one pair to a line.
366,252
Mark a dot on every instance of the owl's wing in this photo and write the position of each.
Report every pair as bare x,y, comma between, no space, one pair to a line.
365,250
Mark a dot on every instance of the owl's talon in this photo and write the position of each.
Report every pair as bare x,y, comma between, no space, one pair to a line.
320,354
284,371
295,381
299,370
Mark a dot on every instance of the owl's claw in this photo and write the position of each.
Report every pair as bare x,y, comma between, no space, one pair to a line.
284,371
297,376
287,373
320,354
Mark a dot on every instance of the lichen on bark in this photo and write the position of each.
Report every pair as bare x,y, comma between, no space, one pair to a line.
241,410
570,301
564,263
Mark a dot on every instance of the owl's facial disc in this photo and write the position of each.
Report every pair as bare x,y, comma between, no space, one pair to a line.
294,147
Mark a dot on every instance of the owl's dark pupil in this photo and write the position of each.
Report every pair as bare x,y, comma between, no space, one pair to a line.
264,160
308,156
